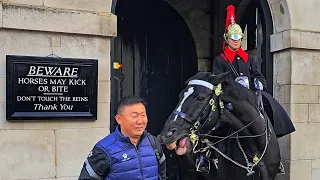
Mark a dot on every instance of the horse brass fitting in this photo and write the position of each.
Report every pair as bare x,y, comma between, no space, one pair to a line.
221,105
193,137
196,125
255,159
213,107
218,90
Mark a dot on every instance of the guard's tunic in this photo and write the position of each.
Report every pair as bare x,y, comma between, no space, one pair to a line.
246,65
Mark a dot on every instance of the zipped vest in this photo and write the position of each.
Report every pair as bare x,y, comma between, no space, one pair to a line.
128,162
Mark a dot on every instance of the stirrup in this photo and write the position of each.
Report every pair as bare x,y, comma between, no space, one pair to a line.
203,164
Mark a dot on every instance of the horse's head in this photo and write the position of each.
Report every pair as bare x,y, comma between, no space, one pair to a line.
196,102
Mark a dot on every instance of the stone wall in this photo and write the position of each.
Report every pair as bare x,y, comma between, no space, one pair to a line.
197,15
66,28
296,48
297,88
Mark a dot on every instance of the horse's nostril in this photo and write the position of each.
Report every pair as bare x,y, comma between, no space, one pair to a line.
169,134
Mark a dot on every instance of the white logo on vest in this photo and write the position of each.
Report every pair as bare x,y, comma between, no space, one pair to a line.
125,157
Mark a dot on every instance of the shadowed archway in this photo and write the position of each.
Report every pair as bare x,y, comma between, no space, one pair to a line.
158,54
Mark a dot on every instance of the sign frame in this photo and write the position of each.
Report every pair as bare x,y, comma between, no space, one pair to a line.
13,61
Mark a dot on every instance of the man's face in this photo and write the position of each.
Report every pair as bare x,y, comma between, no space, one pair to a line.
133,120
234,44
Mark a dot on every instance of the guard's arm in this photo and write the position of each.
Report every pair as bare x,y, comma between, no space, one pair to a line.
256,74
96,166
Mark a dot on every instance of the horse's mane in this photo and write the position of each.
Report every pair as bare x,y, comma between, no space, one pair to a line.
241,92
238,90
201,76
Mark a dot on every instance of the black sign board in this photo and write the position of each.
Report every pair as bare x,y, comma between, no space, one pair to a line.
51,88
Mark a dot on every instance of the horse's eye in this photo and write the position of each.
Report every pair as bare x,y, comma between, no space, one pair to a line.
201,98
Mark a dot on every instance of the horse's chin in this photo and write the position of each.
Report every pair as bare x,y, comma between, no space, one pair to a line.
182,146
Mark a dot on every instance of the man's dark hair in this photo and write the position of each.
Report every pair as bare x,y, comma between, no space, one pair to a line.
130,100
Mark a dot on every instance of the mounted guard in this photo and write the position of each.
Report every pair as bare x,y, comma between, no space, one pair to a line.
233,58
245,70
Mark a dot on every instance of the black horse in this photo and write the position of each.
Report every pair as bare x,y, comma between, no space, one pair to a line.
218,123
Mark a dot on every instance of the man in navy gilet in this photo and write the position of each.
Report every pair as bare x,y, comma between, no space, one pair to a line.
127,153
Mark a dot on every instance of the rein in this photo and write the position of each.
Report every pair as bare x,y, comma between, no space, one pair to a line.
256,159
236,132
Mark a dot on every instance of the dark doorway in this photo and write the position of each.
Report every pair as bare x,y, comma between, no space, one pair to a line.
158,54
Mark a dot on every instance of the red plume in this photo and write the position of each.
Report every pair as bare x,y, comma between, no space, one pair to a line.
230,14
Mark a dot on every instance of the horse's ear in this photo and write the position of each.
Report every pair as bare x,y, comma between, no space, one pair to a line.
220,78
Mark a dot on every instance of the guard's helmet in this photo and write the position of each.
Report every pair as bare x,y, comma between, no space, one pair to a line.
232,30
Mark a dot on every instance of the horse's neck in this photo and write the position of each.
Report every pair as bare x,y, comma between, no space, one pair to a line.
252,98
248,113
242,108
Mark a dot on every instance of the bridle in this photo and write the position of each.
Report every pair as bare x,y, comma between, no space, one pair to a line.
204,116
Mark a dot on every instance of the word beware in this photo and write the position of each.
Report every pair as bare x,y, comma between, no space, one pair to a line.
51,71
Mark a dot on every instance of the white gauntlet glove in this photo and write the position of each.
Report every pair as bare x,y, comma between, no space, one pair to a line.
258,84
